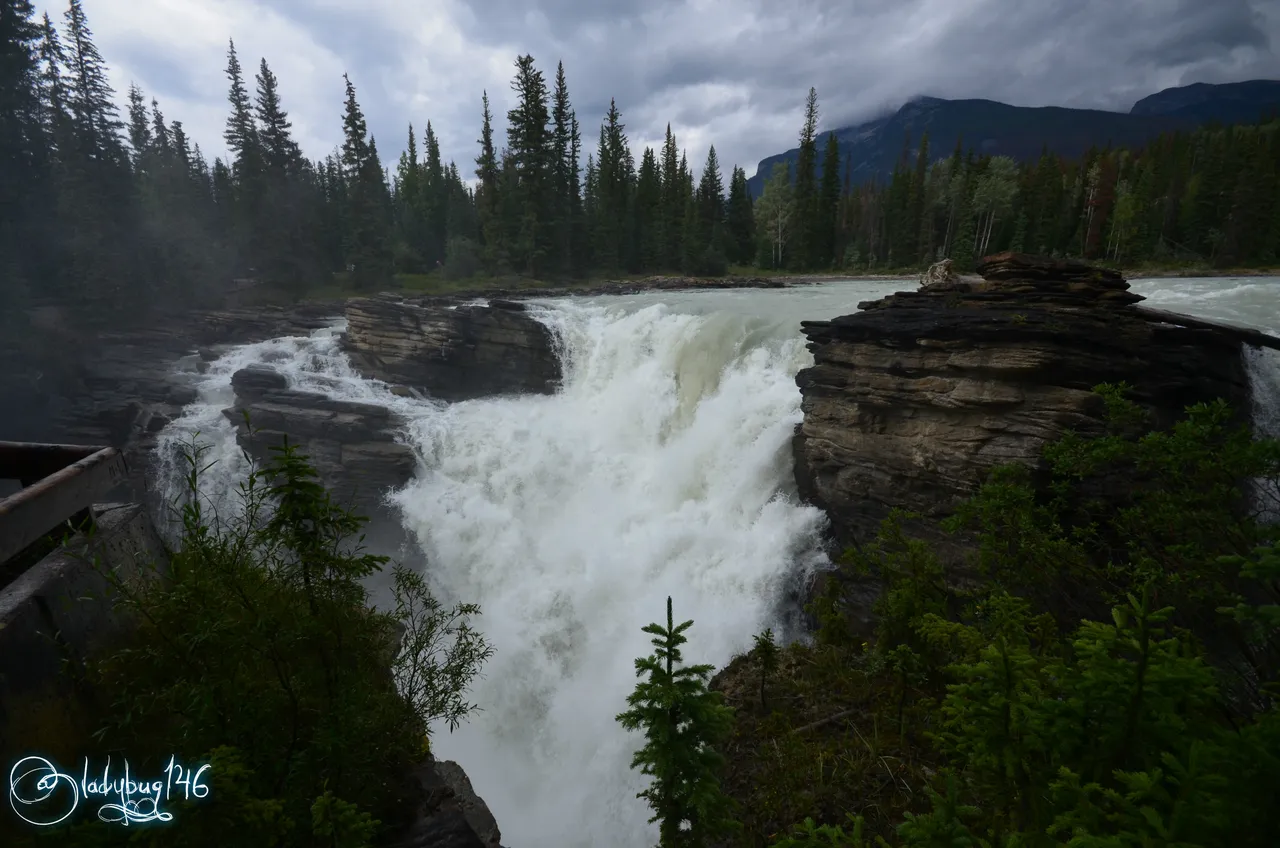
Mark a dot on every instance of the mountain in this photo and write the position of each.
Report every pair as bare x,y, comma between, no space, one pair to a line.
872,149
1233,103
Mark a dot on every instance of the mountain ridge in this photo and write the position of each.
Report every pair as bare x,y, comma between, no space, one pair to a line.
872,148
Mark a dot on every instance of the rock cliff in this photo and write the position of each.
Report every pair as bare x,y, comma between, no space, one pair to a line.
910,402
451,351
353,446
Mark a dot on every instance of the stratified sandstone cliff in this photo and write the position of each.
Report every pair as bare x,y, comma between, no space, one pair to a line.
353,446
451,351
911,402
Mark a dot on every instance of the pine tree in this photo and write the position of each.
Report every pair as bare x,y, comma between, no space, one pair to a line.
488,203
683,721
672,202
806,188
648,212
711,205
530,145
564,169
241,134
139,125
279,150
826,218
23,161
434,203
612,193
91,98
366,243
740,220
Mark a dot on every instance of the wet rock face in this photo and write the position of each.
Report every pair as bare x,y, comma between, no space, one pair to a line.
912,401
449,813
353,446
450,351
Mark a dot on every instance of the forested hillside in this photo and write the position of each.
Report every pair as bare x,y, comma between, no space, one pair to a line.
115,210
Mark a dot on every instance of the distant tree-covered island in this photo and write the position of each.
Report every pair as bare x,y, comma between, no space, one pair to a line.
118,211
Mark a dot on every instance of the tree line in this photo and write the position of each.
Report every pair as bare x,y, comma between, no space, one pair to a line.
115,212
1210,196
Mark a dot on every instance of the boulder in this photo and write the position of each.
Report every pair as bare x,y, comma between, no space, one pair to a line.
449,813
452,351
913,400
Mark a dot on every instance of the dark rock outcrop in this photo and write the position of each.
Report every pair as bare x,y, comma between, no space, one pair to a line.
449,813
910,402
353,446
452,351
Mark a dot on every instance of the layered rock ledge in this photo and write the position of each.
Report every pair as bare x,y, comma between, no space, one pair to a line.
451,351
913,400
353,446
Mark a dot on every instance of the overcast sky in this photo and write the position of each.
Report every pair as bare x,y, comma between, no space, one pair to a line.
733,73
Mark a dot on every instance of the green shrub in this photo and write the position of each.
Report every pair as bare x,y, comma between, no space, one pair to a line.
259,653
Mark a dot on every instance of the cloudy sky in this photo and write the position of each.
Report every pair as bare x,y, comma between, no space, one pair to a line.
733,73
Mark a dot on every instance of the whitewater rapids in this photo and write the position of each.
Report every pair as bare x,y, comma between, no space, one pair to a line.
662,467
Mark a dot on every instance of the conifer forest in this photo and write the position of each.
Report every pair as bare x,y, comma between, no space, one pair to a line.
116,209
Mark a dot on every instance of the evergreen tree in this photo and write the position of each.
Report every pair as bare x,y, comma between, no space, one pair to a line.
564,175
740,220
711,204
23,165
91,99
806,188
488,203
648,212
683,721
826,218
433,206
672,202
531,148
366,246
139,125
612,193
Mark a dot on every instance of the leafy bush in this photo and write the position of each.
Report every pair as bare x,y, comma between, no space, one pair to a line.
257,651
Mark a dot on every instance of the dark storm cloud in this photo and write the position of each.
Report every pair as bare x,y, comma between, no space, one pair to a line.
729,72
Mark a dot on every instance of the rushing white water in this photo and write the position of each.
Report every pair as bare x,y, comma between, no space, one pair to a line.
1247,301
661,468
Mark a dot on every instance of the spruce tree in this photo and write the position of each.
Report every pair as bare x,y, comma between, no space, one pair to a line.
711,204
563,170
366,242
740,220
648,212
488,204
672,203
279,150
92,100
806,188
23,159
530,145
682,720
827,218
139,125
